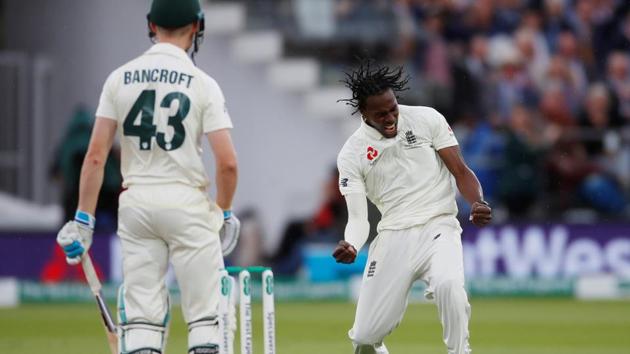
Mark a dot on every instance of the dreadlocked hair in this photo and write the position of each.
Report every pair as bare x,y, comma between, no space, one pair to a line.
370,80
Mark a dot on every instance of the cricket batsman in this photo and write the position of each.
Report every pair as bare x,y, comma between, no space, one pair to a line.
162,105
406,160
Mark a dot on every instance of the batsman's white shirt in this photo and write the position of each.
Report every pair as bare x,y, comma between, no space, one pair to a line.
403,176
163,104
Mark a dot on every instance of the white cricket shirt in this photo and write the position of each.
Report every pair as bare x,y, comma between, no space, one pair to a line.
403,176
163,105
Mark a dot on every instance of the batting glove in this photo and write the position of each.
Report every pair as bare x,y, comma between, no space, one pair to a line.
75,237
230,232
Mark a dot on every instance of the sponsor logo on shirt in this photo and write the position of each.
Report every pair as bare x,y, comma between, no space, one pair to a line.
343,182
372,153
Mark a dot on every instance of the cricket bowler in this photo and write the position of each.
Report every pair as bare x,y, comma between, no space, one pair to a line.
406,160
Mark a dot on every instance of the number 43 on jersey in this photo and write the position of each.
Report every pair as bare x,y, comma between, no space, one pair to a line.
146,130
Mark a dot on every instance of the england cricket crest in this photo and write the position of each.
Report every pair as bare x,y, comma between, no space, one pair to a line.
410,140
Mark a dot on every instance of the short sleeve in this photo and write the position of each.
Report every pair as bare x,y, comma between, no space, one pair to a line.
350,179
106,104
442,135
215,115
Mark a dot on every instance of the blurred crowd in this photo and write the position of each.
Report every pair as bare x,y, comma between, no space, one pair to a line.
538,91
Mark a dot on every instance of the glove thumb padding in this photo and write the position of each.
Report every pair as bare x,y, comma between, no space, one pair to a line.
229,234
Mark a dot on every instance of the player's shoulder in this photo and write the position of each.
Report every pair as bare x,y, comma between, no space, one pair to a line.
206,83
204,77
420,116
352,148
420,113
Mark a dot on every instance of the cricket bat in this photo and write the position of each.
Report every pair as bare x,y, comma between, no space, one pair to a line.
106,316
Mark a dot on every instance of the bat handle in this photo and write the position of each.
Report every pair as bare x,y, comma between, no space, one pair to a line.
90,274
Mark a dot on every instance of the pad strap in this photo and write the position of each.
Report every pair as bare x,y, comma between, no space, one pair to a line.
204,349
206,321
145,351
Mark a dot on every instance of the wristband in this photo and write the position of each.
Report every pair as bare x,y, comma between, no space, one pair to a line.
227,214
85,219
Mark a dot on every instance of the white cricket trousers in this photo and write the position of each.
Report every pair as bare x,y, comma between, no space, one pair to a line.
176,222
432,253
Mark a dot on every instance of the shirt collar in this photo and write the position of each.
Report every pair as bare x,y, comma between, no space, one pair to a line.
370,132
170,49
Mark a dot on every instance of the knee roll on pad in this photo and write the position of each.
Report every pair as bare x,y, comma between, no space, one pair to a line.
203,336
142,338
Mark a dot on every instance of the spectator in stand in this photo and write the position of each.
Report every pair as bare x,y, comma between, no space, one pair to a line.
568,166
601,134
603,19
559,75
554,107
436,69
534,53
618,81
621,35
568,50
555,20
513,85
471,88
521,180
482,17
599,124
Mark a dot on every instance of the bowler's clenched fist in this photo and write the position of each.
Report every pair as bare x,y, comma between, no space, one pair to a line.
480,213
344,252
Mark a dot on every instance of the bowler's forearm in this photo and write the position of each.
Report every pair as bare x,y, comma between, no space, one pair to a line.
469,186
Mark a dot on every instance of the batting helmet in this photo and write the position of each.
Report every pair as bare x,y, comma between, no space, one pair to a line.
175,13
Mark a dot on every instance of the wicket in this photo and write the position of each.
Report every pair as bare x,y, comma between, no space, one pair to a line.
227,309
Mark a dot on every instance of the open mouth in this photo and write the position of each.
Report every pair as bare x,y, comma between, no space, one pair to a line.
389,129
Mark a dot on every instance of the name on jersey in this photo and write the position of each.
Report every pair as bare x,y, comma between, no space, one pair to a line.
157,75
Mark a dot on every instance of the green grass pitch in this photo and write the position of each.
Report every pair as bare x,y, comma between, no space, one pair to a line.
499,326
